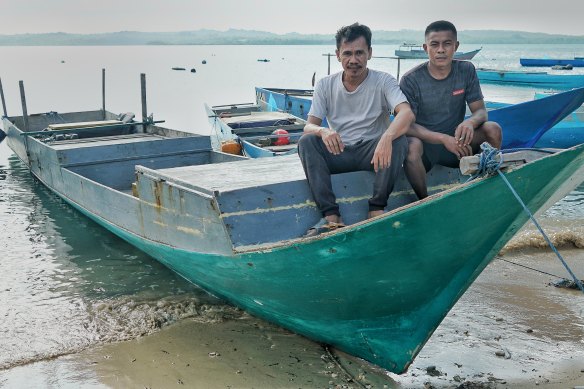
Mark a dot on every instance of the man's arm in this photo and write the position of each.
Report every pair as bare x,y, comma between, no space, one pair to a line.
399,126
450,142
330,138
464,133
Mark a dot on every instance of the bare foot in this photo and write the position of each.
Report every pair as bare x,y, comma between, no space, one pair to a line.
372,214
334,219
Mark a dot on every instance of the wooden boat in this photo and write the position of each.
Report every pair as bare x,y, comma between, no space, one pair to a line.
416,51
523,124
537,79
260,133
567,133
294,101
548,62
234,226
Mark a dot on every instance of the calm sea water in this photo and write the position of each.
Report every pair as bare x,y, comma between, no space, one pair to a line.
65,283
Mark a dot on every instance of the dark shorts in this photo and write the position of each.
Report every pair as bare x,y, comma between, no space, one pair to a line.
438,155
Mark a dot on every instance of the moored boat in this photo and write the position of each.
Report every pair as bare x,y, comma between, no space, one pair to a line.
523,124
416,51
564,134
536,79
234,226
259,133
549,62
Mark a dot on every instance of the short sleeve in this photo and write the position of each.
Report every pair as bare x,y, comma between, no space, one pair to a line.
409,90
474,92
318,107
393,93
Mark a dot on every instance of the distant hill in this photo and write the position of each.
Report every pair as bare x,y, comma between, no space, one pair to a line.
250,37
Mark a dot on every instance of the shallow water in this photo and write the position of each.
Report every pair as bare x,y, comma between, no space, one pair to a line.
66,284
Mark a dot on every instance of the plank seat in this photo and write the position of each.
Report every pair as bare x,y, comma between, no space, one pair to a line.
97,123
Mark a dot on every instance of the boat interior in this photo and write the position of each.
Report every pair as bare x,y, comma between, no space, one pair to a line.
260,127
255,197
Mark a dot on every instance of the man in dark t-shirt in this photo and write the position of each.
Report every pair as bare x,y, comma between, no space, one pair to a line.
438,92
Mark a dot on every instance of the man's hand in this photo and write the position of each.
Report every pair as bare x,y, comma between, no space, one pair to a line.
332,141
382,155
455,147
464,133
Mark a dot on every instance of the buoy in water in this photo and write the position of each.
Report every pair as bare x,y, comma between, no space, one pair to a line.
281,140
204,61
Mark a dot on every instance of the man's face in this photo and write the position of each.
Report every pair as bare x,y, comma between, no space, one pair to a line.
441,46
354,56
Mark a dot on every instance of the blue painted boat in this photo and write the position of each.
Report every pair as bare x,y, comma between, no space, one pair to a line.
234,226
549,62
523,124
567,133
536,79
294,101
258,133
416,51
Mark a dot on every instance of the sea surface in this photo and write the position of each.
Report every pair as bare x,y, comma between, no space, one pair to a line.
66,284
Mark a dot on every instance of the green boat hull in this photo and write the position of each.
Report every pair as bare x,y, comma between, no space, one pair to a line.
378,290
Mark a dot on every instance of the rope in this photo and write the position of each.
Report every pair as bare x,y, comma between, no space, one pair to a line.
350,377
549,242
532,268
488,165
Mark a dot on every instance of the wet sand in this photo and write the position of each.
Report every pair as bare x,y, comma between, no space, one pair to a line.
511,329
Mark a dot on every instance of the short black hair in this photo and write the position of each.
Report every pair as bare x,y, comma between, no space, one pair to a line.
441,25
352,32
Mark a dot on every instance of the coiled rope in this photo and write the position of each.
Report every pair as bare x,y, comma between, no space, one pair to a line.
488,165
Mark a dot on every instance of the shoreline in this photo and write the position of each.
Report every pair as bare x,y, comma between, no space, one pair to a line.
511,329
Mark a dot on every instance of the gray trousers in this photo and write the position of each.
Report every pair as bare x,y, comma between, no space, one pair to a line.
319,164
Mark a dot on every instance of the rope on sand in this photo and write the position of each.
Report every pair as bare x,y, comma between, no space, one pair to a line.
488,166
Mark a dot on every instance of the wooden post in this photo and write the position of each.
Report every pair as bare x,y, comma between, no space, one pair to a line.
144,108
2,96
23,101
329,55
103,92
398,66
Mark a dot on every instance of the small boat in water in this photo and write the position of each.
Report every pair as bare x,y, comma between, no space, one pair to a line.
549,62
562,67
416,51
536,79
263,60
523,124
564,134
178,68
260,133
376,289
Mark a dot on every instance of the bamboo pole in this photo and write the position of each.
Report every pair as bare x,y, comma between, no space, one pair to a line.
23,101
2,96
103,92
144,107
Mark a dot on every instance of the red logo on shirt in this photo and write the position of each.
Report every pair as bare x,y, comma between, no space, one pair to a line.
457,92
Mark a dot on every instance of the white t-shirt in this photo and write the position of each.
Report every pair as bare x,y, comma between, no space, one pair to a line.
361,114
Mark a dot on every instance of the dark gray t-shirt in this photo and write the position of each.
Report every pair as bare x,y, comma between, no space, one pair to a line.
440,105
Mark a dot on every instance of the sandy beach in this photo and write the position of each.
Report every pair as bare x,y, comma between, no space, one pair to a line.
512,329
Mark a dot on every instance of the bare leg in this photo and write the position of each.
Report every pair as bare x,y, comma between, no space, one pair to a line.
374,213
489,132
414,167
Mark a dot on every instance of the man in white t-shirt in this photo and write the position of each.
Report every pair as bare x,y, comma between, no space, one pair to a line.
357,103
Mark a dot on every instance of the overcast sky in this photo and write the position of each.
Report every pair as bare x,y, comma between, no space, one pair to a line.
282,16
